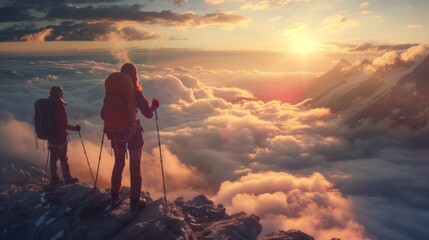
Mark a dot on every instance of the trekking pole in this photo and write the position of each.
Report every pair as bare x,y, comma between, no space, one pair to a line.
46,168
98,168
87,160
162,165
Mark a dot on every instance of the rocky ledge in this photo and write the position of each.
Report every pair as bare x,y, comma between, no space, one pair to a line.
34,210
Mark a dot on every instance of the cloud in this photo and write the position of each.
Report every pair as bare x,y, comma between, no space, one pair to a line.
214,2
261,5
309,203
337,23
133,13
415,26
274,19
39,79
256,5
178,38
82,22
47,4
285,2
388,59
394,58
15,14
378,19
17,144
364,12
292,165
232,94
414,52
253,81
364,4
37,37
295,28
368,47
71,31
179,2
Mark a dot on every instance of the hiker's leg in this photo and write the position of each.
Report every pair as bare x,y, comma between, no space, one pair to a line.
135,173
135,145
53,162
65,168
118,168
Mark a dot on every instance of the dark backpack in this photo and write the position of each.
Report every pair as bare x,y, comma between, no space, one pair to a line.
43,118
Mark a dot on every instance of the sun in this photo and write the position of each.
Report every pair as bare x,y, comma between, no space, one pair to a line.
302,44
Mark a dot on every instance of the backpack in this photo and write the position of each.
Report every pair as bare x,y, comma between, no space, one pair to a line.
43,118
119,111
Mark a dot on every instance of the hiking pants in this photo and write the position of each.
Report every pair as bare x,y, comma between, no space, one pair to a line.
135,174
59,152
134,145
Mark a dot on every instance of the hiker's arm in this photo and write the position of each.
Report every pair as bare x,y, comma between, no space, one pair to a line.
73,128
143,105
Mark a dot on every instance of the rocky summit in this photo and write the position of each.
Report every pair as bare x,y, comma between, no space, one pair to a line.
32,209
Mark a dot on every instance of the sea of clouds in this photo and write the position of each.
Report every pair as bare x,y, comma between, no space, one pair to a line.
294,167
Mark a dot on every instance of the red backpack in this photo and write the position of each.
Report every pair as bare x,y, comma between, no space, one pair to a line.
119,110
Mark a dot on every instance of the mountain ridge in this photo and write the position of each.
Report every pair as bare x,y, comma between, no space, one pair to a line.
399,91
31,209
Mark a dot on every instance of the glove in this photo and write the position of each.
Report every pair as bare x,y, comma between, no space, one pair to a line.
77,128
155,103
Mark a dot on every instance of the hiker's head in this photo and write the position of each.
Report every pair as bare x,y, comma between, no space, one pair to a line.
56,92
131,70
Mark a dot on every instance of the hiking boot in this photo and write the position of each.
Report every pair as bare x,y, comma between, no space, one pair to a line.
114,201
55,180
72,180
137,204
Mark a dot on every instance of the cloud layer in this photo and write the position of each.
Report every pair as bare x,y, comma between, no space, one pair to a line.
295,167
309,203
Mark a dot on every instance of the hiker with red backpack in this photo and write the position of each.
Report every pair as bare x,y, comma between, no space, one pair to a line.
124,94
58,138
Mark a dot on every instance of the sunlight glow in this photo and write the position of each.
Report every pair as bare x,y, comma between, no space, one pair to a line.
302,44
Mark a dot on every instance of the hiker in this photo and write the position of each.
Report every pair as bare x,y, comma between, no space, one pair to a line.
134,145
58,140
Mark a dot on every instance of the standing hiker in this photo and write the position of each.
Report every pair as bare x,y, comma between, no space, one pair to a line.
125,107
58,140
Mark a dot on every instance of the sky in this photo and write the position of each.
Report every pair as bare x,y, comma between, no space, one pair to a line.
293,166
297,26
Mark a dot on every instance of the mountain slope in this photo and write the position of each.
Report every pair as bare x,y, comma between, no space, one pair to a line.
399,91
30,209
406,103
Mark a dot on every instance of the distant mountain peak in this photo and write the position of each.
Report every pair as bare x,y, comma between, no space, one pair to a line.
343,62
388,88
365,62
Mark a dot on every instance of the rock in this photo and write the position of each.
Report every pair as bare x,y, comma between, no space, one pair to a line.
152,223
38,211
240,226
24,174
287,235
200,201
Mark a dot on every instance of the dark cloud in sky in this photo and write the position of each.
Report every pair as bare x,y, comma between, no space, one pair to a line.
91,13
42,5
88,22
133,13
75,31
14,14
14,32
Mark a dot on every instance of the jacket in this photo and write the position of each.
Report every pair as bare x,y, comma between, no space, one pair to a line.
60,122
